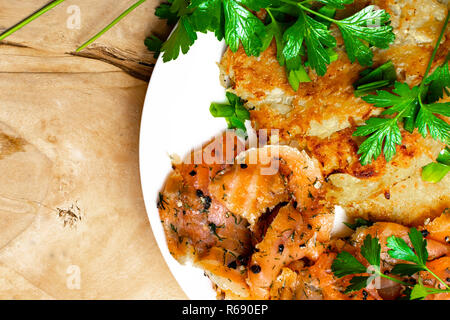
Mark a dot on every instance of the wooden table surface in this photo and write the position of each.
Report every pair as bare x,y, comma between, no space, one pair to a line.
72,219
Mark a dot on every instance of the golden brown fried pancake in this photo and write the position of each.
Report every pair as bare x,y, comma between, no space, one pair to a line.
322,115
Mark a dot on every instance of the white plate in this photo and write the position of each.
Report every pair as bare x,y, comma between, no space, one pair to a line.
175,119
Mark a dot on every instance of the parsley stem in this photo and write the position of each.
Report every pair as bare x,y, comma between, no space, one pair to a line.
23,23
301,6
392,279
317,13
270,14
434,275
109,26
433,55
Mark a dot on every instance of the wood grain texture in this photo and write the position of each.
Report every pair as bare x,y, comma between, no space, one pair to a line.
71,205
56,32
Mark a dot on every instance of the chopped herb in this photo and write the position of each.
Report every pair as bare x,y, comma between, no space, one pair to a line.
161,202
375,79
234,112
359,222
408,105
436,171
154,44
345,264
301,33
213,228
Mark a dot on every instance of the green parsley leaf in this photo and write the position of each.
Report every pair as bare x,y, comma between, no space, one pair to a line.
345,264
420,245
404,101
370,87
357,283
338,4
426,120
317,39
274,31
375,79
154,44
407,105
381,131
406,269
420,292
182,38
328,11
293,41
399,249
368,25
301,30
384,72
386,130
256,5
371,250
164,12
439,82
208,16
179,7
241,26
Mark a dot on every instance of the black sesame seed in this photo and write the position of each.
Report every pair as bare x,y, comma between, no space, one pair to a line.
207,202
232,265
199,193
192,173
309,226
255,268
447,239
243,260
280,248
425,233
302,246
244,166
365,294
448,279
295,204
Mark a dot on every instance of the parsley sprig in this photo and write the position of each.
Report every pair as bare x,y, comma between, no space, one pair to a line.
416,107
346,264
301,31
